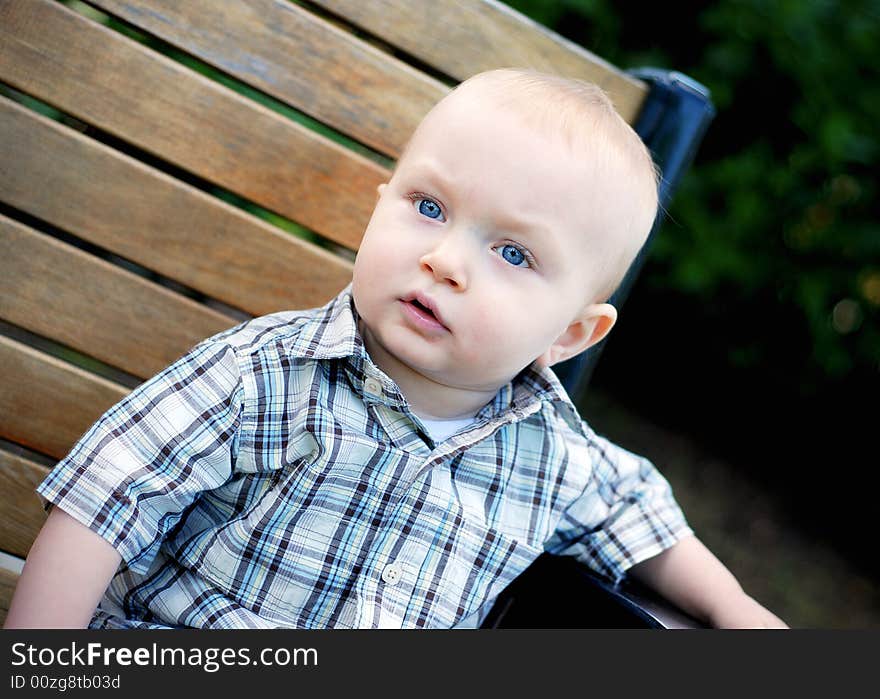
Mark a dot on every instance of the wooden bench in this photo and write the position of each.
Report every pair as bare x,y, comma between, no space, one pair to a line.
169,169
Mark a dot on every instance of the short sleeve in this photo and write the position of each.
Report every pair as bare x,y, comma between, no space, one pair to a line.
625,514
134,473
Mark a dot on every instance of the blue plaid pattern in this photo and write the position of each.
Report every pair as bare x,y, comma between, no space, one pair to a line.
275,477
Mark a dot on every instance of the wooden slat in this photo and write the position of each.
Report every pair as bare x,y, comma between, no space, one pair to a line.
8,581
138,95
463,38
113,201
298,58
21,513
53,289
47,404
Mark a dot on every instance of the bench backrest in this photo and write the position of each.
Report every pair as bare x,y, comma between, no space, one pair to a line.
168,169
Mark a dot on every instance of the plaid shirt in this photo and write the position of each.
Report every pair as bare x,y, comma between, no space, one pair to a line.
275,477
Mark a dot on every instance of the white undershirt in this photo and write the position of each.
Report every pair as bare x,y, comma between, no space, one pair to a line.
441,429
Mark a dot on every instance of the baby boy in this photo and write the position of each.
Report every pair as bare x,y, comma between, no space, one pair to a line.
396,458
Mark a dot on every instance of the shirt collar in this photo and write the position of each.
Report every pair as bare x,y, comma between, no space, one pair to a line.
332,333
533,385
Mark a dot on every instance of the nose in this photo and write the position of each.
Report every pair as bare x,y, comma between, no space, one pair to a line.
446,262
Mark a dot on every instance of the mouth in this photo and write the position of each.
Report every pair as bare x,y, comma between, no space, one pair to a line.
424,311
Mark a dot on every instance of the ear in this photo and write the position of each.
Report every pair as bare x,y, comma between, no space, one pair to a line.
590,327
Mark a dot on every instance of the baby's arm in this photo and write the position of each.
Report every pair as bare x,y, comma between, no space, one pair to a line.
691,577
67,570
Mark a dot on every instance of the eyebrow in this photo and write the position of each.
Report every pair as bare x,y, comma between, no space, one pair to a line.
427,169
533,233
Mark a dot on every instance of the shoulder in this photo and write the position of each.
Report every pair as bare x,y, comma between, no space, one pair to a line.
582,442
255,335
277,355
315,333
571,437
556,414
567,435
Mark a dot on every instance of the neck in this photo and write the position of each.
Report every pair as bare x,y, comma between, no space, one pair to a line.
427,397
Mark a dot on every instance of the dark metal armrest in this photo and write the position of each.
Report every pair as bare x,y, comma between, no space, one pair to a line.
643,603
557,592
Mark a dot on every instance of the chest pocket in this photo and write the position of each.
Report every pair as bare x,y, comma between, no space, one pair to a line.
482,562
462,561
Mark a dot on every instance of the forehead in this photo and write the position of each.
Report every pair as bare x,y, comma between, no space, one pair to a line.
475,131
491,161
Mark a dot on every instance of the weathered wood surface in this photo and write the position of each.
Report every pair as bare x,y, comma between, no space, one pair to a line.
21,513
136,94
55,290
47,404
298,58
8,579
172,113
463,38
109,199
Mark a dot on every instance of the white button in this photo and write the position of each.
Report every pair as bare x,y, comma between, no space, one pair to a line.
391,574
373,387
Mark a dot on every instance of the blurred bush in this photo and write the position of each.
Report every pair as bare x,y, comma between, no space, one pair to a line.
756,322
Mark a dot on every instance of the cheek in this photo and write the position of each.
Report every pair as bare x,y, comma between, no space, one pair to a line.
521,324
495,327
367,277
372,256
387,243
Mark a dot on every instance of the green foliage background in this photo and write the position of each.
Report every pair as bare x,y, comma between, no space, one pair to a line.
757,316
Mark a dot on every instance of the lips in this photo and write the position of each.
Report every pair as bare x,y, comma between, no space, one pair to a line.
425,308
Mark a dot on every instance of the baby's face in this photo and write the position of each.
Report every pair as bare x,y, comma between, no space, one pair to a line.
478,253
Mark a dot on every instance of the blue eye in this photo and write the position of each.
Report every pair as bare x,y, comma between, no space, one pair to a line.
513,255
430,209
